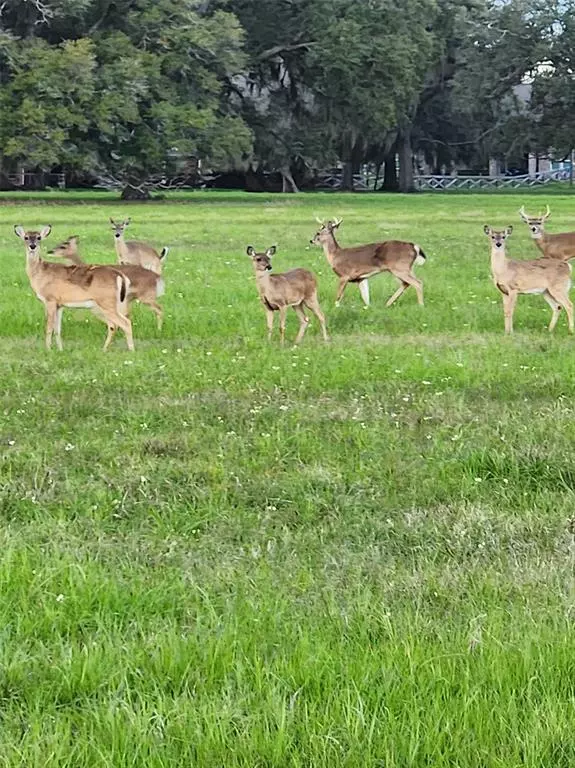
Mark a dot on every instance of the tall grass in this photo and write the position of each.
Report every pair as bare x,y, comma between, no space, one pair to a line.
217,552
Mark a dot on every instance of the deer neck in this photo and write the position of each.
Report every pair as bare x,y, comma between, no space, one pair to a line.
498,260
75,259
33,263
331,248
120,245
263,281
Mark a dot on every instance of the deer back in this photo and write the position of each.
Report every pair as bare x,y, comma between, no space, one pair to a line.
288,288
535,275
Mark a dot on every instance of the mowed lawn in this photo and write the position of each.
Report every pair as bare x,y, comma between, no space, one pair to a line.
218,552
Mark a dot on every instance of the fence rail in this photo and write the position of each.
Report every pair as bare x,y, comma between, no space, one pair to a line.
442,183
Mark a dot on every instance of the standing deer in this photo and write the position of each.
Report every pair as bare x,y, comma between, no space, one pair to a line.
560,246
296,288
135,251
145,286
550,277
359,263
58,286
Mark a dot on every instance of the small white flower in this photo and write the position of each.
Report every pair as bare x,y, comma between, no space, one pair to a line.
60,598
69,447
478,479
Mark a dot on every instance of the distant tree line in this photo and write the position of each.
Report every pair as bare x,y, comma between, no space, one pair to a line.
130,90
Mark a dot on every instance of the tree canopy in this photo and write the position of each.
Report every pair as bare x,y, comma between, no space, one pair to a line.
132,89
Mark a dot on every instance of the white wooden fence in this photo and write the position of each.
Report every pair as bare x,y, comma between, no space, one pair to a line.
442,183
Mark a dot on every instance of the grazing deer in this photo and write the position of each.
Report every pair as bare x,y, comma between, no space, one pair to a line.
358,264
560,246
296,288
145,286
550,277
135,251
58,286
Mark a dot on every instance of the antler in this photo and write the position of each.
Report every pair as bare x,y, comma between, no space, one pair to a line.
547,214
336,222
523,214
319,221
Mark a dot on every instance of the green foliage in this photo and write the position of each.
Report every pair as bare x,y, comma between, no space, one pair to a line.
141,88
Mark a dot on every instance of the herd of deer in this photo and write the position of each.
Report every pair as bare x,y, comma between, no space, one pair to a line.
108,290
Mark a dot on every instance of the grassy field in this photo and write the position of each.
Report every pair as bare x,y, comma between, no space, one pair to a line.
217,552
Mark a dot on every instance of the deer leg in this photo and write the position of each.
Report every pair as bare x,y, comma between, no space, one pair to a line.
303,323
270,322
398,293
283,311
313,304
563,300
159,312
555,307
117,320
364,291
343,281
509,302
51,310
58,328
411,279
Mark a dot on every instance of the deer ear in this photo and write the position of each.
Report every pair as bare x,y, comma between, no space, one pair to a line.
112,222
19,231
45,231
250,250
509,229
128,220
271,251
487,229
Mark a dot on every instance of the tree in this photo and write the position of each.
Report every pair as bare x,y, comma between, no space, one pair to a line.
140,84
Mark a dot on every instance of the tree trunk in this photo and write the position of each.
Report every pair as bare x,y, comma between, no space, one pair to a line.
347,176
288,183
390,172
406,181
130,192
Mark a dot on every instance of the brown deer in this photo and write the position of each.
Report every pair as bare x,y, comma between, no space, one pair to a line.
145,286
550,277
560,246
359,263
296,288
135,251
58,286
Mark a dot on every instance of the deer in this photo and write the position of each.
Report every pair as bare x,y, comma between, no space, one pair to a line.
296,288
145,286
559,246
58,286
359,263
550,277
135,251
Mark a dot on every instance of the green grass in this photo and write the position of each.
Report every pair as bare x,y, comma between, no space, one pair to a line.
217,552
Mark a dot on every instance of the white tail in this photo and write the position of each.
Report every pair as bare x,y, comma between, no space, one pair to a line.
358,264
58,286
549,277
296,288
136,252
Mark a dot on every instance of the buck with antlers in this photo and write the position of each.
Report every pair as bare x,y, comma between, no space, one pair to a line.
359,263
57,286
560,246
135,251
296,288
145,286
550,277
